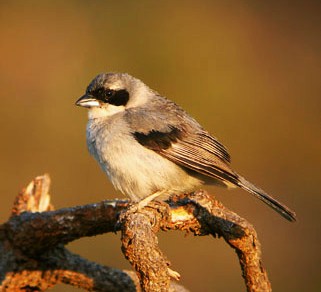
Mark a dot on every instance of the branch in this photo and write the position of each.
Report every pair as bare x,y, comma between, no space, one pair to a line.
33,257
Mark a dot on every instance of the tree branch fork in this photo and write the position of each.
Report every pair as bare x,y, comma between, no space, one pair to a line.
33,256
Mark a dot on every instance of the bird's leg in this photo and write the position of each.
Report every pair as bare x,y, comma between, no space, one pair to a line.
143,203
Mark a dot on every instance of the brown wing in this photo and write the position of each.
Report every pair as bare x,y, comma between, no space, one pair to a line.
197,151
201,152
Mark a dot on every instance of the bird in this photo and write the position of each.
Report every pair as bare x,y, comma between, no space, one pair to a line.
150,148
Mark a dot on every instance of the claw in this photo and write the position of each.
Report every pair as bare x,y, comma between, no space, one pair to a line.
173,274
143,203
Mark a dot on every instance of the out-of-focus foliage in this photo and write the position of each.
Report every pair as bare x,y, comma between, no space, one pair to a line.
249,71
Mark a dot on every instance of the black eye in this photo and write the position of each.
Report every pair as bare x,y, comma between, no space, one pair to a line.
115,97
103,94
109,92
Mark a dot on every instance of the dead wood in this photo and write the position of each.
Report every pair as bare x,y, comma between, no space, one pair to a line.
33,256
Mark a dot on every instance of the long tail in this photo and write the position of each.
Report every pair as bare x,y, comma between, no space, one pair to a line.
263,196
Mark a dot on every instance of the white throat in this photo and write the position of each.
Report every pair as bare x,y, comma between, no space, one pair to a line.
106,111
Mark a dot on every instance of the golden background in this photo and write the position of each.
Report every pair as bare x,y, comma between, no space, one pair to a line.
248,71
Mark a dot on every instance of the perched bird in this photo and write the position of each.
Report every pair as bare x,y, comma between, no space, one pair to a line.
150,147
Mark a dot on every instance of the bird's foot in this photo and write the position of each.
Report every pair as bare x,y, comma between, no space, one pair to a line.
173,274
138,206
144,202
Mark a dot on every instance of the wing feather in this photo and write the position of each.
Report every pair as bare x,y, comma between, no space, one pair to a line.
200,159
187,144
197,151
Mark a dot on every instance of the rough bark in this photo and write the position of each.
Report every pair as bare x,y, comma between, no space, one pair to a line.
33,256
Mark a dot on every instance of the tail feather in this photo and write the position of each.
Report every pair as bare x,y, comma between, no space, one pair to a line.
267,199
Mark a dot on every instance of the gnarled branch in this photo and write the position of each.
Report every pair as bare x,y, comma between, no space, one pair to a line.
33,256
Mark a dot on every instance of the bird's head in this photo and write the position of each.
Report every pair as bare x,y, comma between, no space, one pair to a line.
110,93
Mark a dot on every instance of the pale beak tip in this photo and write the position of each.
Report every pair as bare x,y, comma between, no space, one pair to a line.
87,101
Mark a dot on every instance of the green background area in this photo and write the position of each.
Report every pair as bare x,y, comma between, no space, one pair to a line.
248,71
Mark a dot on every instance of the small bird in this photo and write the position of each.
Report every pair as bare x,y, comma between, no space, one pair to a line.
149,147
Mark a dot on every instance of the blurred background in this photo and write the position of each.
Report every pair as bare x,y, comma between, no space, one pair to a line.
248,71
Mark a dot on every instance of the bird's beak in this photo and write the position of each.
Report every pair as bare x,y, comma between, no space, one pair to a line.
87,101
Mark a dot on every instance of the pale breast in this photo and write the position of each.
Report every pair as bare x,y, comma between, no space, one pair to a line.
133,169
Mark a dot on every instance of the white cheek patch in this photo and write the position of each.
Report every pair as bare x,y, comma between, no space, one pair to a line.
106,111
114,109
